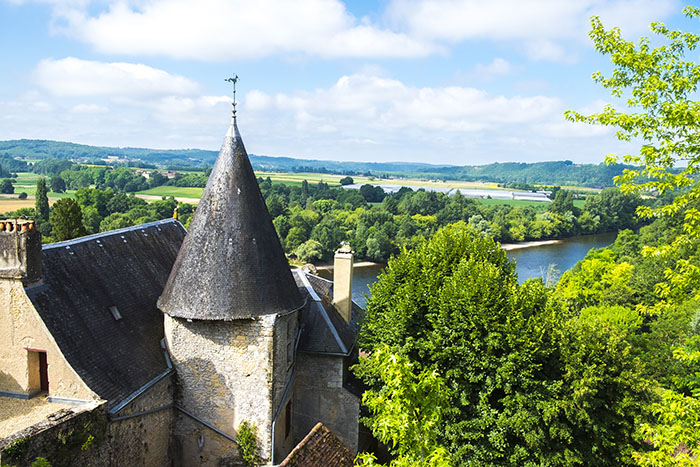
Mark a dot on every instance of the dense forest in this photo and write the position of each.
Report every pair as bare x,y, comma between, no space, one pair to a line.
563,173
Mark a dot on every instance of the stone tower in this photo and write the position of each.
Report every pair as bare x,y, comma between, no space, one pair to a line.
231,320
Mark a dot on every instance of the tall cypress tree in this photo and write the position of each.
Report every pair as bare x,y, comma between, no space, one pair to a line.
42,201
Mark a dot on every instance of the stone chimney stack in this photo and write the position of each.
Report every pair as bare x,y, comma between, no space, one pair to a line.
20,250
342,281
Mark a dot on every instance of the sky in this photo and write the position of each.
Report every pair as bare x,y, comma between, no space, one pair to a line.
464,82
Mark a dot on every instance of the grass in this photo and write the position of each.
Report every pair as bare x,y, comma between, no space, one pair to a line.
176,191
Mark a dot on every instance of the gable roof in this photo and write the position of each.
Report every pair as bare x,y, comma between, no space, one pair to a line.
320,447
83,278
231,264
324,329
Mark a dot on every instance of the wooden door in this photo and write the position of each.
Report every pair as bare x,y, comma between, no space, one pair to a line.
43,371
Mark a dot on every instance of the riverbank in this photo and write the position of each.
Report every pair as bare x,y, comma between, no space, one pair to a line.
518,246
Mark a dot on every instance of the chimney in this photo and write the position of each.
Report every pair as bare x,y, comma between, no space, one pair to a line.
20,250
342,281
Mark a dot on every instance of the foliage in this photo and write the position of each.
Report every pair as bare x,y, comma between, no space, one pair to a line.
6,186
17,447
406,413
527,383
658,87
67,220
596,280
41,201
623,319
41,462
675,436
347,181
22,195
248,444
309,251
58,184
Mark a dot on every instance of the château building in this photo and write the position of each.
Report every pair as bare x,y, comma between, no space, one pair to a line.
151,345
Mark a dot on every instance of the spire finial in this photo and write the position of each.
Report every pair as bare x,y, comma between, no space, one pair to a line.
233,80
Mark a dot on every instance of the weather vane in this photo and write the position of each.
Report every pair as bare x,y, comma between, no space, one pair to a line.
233,80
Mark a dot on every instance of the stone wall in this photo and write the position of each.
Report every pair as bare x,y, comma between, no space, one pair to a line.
21,328
319,396
224,376
286,328
84,436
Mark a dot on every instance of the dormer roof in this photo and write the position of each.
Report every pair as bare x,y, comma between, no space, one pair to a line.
231,264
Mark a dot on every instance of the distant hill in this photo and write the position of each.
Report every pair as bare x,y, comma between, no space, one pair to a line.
550,173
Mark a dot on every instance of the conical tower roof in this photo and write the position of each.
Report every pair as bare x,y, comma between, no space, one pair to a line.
231,264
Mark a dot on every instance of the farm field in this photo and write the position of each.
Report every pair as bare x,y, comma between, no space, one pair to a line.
10,203
296,179
521,203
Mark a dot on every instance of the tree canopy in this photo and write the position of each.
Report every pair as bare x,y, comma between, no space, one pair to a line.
528,384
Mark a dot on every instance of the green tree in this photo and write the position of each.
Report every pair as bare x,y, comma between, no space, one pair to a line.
676,434
527,383
406,413
67,220
42,201
346,181
58,184
6,186
657,86
309,251
115,221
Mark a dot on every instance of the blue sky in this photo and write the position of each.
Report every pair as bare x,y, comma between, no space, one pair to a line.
441,81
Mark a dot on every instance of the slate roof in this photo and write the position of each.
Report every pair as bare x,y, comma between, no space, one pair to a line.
231,264
83,277
324,329
319,447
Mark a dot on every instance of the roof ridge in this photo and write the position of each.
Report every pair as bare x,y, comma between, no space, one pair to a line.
109,233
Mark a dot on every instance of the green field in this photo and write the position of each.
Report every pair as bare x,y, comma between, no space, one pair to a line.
176,191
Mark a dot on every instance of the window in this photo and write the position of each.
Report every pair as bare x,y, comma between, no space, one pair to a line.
288,419
115,313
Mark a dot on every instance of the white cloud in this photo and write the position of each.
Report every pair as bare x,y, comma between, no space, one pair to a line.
540,25
498,67
235,29
88,109
376,102
74,77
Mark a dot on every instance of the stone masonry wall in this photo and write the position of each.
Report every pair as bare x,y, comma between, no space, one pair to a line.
224,376
321,397
286,327
85,437
21,328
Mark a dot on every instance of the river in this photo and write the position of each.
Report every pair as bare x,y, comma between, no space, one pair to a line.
530,262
